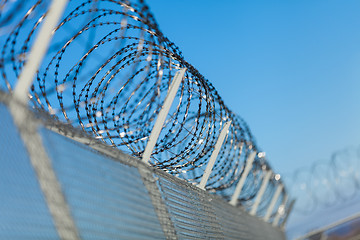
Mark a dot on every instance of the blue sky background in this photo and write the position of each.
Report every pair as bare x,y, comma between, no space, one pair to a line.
291,69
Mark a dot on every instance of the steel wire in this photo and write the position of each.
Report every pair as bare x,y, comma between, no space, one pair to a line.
326,183
108,71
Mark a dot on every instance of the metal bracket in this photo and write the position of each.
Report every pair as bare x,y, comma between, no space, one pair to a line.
214,155
39,49
155,132
239,186
273,202
261,192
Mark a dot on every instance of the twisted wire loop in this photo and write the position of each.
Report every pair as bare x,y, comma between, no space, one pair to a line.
10,12
108,70
326,183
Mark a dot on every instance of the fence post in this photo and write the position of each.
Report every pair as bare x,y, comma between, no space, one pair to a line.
214,155
155,132
27,127
280,211
38,50
291,206
273,202
239,186
261,192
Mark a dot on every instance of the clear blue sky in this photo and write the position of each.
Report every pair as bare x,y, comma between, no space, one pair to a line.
291,69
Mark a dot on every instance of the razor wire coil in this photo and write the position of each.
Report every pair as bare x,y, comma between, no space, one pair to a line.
108,70
326,183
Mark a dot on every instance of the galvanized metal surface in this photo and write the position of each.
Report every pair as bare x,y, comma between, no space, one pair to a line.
113,195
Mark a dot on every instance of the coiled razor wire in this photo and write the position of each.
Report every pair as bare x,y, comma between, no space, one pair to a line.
108,70
326,183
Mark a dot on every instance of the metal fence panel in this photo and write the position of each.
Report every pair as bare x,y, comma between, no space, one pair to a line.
108,199
110,195
199,215
192,214
23,210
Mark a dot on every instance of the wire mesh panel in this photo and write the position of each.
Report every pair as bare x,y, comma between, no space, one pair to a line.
233,221
108,199
192,214
23,210
110,195
263,230
199,215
